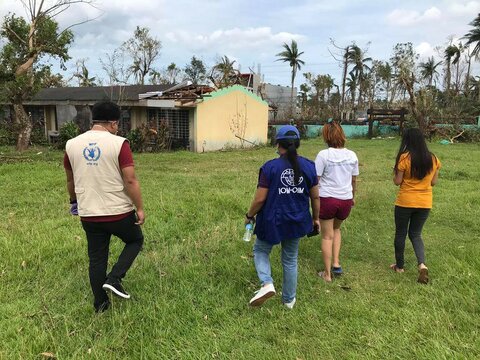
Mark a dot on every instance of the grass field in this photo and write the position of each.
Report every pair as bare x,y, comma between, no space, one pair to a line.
191,284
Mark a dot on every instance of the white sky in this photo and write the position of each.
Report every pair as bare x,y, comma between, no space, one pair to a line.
252,32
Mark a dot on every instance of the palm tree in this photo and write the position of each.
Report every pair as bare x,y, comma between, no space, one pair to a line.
223,72
385,72
429,71
451,52
473,36
346,57
172,73
292,56
351,84
82,75
360,68
474,88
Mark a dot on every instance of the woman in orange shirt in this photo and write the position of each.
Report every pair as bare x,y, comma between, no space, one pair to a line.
416,171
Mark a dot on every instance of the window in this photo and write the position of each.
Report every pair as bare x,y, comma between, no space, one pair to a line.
177,122
125,124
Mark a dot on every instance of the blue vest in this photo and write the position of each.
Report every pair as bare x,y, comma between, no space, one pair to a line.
285,214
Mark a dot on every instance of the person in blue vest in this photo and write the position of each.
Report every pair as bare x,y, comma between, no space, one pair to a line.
287,187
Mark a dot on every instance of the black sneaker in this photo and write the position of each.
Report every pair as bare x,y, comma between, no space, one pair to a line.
117,289
102,307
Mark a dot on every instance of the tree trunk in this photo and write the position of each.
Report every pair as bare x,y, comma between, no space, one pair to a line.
478,86
360,96
457,79
467,77
448,76
393,94
413,106
344,78
291,98
25,127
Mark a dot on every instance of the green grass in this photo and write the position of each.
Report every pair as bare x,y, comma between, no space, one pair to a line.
191,284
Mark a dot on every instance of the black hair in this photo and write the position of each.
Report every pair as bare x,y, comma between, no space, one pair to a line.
105,111
421,159
291,145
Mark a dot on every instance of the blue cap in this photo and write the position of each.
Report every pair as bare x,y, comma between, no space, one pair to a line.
281,133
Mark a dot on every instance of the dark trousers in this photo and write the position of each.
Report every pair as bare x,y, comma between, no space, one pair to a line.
98,238
411,221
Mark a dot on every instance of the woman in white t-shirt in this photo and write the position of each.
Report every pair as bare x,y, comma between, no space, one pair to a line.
337,170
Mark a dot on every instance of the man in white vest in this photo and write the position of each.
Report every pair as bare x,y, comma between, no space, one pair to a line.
105,192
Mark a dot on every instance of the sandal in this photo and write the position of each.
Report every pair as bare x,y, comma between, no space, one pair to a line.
395,268
337,271
322,275
423,276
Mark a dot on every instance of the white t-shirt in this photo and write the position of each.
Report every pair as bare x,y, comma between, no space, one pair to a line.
335,167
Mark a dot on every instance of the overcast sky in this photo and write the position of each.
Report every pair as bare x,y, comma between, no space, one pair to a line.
252,32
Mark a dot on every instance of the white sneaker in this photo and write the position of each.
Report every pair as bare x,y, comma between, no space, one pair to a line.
291,303
263,294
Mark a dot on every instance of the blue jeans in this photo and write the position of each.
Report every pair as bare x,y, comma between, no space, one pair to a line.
261,257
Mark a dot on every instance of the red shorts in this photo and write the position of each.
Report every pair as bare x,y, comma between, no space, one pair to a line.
331,208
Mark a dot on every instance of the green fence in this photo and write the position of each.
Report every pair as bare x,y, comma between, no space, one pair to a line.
351,131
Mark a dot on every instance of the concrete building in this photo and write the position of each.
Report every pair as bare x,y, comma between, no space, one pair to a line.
278,97
198,118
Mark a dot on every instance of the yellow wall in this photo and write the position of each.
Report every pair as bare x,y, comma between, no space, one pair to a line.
229,112
138,116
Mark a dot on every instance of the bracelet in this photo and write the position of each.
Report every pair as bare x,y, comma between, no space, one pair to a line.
249,217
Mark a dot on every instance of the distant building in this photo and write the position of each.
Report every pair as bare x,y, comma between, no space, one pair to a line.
278,97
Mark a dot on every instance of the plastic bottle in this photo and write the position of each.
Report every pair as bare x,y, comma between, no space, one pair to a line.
248,232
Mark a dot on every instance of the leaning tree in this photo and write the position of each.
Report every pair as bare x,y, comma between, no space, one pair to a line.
26,42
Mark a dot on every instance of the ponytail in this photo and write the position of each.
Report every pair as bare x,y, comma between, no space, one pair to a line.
292,158
291,145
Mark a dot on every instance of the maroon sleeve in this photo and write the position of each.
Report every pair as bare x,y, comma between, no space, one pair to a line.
125,158
262,180
66,162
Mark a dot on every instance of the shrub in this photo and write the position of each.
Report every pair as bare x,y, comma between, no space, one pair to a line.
272,132
470,135
38,136
67,131
7,135
149,139
136,139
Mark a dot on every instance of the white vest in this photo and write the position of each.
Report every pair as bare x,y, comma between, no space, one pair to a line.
97,175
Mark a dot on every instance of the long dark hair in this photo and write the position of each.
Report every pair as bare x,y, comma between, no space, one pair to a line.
291,145
421,159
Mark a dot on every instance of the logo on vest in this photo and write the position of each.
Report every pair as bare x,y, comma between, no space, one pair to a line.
288,180
92,153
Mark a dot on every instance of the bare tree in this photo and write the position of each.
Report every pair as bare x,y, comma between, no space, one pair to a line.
403,60
28,40
115,68
239,122
167,76
144,50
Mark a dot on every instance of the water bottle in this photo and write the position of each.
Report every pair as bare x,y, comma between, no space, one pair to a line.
248,232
